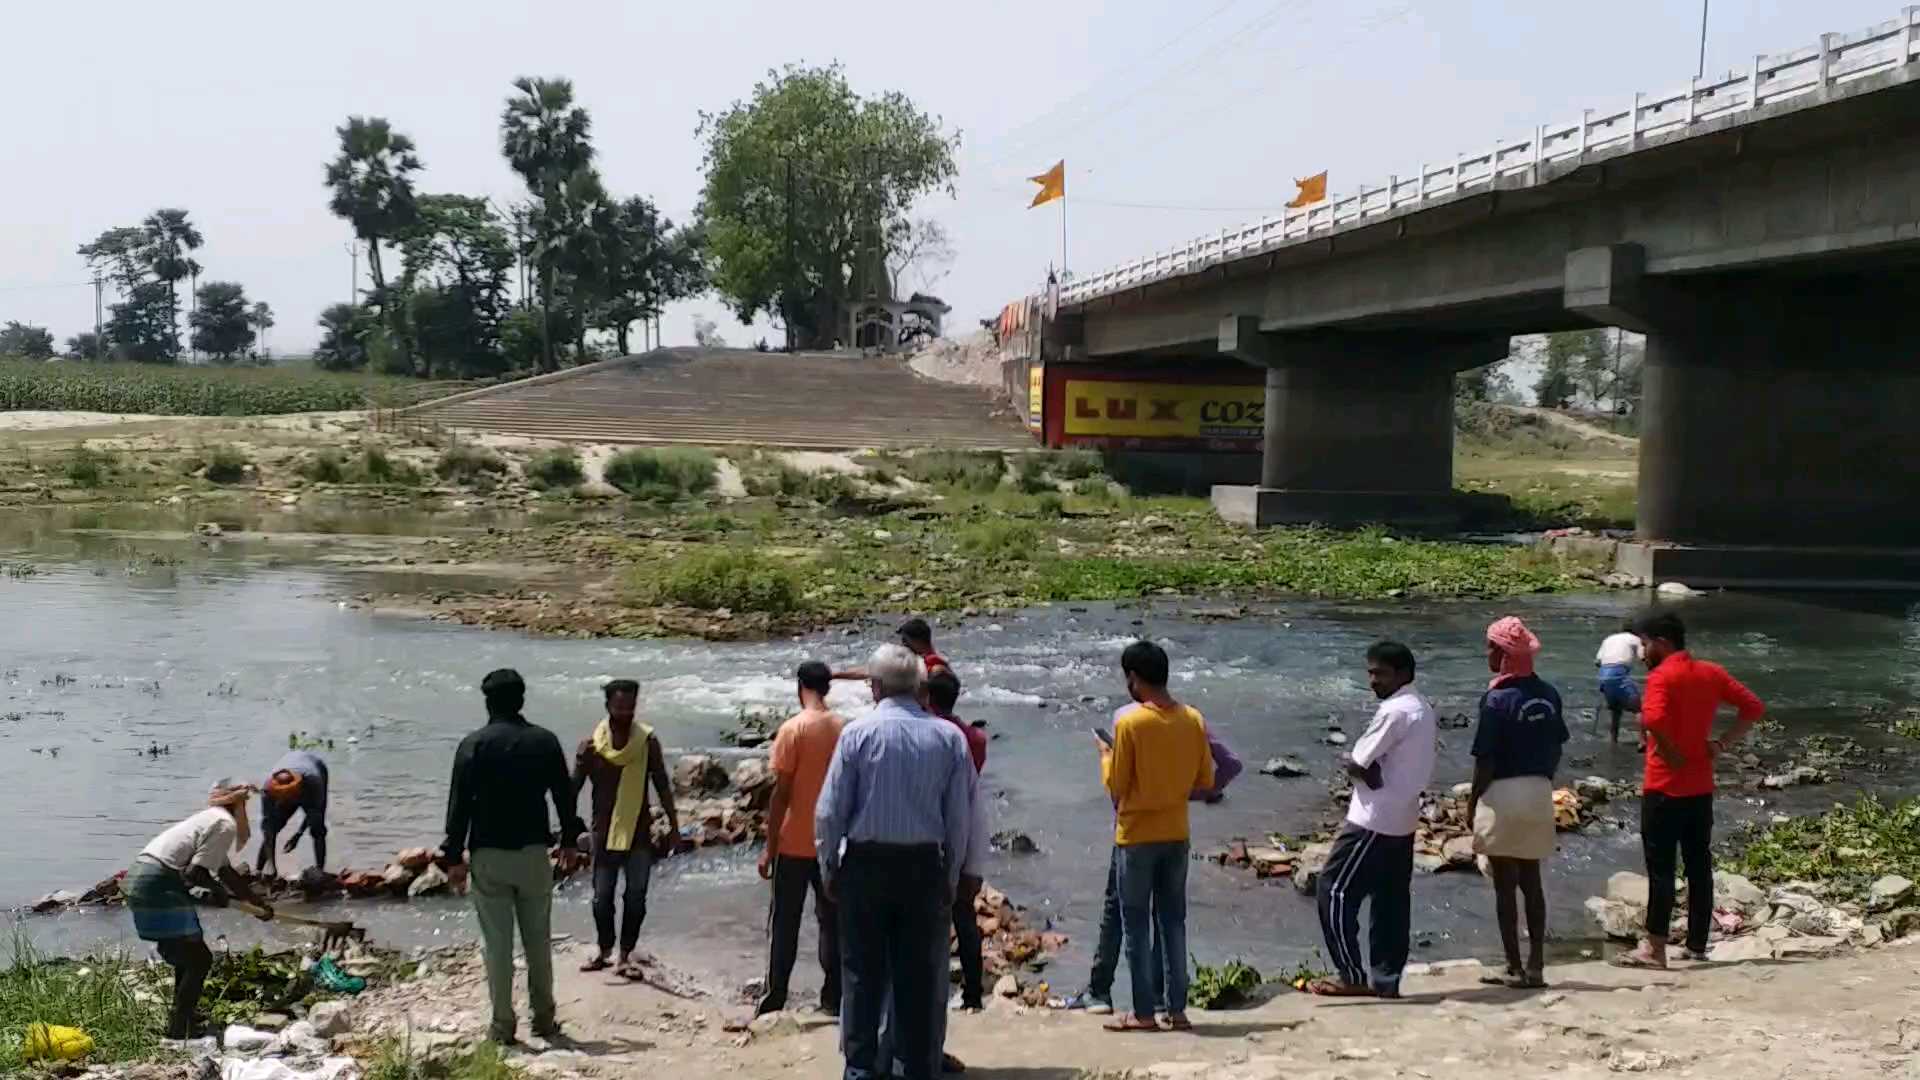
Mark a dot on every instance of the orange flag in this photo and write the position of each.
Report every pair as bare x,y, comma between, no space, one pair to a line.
1312,190
1053,184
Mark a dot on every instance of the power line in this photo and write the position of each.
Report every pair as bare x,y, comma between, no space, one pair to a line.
1238,38
1092,88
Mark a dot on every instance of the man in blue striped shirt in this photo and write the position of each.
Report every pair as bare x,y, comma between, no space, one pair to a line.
899,795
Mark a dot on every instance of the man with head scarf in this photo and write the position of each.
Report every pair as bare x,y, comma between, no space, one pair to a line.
298,783
193,854
1516,750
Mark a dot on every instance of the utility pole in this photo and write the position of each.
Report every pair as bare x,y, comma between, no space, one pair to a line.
1617,333
786,299
99,341
1701,71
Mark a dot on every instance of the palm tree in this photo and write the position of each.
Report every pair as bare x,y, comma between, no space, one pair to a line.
261,318
372,183
547,140
168,237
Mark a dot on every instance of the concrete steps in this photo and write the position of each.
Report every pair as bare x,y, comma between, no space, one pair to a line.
737,397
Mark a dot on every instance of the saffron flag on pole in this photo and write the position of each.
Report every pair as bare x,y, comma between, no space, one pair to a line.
1312,190
1053,184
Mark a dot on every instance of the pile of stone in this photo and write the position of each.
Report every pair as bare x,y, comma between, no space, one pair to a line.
1750,923
1010,947
1442,842
716,809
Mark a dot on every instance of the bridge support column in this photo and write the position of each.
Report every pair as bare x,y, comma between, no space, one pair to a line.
1782,414
1358,428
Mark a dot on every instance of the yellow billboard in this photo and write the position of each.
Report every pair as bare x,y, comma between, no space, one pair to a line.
1036,396
1154,410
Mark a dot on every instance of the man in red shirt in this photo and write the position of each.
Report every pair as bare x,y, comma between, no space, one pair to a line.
1676,810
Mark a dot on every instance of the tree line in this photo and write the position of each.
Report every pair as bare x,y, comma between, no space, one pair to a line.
1596,368
807,203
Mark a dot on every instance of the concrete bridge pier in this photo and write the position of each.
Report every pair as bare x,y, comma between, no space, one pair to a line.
1358,427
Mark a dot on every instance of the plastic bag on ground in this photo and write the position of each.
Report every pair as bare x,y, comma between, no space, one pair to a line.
241,1039
54,1042
328,976
331,1068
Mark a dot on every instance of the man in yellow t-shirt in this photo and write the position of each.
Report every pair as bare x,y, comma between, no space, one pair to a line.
1158,758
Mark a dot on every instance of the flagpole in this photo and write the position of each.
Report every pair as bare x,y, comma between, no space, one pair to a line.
1063,233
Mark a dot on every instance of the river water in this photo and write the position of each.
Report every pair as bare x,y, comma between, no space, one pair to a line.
216,652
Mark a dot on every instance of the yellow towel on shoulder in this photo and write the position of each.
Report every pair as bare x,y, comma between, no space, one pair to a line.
631,759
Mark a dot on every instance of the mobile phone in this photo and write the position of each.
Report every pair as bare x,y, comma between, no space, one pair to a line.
1101,734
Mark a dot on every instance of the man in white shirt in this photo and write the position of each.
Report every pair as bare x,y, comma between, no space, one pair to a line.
1618,653
1373,851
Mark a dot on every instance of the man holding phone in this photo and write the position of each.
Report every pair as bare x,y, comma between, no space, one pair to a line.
1372,854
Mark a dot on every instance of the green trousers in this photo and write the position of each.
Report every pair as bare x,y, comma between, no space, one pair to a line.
515,887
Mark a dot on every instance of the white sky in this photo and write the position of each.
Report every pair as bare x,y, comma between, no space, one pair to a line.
228,109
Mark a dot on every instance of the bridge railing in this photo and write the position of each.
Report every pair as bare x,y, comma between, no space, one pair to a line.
1836,59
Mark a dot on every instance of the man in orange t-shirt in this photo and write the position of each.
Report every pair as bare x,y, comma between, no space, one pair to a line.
1676,810
802,750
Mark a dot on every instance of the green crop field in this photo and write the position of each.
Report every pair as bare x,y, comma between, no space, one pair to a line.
200,391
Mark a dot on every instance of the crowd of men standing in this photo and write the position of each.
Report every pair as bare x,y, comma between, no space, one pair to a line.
882,821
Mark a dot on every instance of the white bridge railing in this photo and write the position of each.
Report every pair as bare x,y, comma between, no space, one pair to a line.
1835,59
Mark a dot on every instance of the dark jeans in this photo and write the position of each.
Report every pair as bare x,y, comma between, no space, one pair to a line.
1153,899
1686,823
637,864
895,905
191,961
792,878
1376,868
1106,953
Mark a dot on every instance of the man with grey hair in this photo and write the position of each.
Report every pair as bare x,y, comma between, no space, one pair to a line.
898,795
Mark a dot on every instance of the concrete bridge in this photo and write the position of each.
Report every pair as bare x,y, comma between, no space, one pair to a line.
1762,228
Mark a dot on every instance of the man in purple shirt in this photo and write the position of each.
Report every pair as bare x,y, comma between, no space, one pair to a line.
1097,998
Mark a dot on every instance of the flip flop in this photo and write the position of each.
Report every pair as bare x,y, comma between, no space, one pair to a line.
1695,957
1130,1024
1335,988
1501,979
1527,981
1179,1023
1636,962
598,963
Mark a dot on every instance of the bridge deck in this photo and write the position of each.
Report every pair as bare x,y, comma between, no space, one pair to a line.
714,397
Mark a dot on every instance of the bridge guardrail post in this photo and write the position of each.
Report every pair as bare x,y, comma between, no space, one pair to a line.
1826,61
1910,41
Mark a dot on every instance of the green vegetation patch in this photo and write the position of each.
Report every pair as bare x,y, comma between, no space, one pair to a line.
556,470
467,463
166,390
396,1059
739,579
1847,848
97,995
1224,987
663,475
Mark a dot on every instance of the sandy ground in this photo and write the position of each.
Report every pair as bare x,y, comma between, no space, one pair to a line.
970,360
1744,1021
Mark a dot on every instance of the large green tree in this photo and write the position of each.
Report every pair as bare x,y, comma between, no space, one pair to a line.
457,257
806,182
20,339
547,139
171,239
260,317
643,264
372,184
341,347
221,327
84,345
145,263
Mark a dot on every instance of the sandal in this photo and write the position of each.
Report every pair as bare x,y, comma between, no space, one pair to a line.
1336,988
1179,1022
1528,980
1130,1023
598,963
1637,961
1503,978
1695,957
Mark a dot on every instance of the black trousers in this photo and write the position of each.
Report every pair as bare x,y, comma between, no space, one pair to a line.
894,909
1370,866
792,879
1684,822
191,961
967,944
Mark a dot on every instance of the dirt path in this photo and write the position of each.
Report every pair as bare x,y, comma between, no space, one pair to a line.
1742,1021
1576,426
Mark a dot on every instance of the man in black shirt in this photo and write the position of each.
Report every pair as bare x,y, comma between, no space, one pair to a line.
502,776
